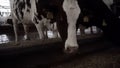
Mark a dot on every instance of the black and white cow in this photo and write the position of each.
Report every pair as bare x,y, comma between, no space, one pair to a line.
65,12
101,11
28,12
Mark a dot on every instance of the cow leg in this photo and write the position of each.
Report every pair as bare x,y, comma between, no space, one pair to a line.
55,31
41,27
72,11
62,26
82,30
45,33
26,29
15,26
55,34
40,30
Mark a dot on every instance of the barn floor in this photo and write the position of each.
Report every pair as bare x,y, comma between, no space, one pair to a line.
94,52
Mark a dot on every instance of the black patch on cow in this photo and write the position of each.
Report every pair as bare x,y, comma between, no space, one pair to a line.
20,5
46,6
37,17
28,10
16,2
16,12
35,20
28,3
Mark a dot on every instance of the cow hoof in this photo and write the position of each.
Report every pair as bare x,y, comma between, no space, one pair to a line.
71,50
17,43
27,39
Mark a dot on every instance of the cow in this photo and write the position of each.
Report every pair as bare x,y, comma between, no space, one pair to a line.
101,11
66,13
25,12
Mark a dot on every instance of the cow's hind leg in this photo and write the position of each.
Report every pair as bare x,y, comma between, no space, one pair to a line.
15,26
26,29
72,11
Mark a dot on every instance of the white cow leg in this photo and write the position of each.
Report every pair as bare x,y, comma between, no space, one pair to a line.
55,34
45,34
15,26
26,29
72,11
55,31
40,30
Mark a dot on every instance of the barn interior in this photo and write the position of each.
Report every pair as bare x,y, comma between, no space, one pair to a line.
96,49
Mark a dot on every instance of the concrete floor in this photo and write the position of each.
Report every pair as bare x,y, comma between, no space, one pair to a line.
93,53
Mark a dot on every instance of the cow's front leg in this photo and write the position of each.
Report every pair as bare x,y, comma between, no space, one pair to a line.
40,30
72,11
39,26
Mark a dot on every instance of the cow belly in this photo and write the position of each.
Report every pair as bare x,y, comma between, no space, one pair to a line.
27,17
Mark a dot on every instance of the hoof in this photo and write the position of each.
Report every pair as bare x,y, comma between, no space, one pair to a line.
27,39
71,50
17,43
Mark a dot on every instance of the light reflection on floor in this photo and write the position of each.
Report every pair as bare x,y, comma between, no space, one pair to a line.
3,39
